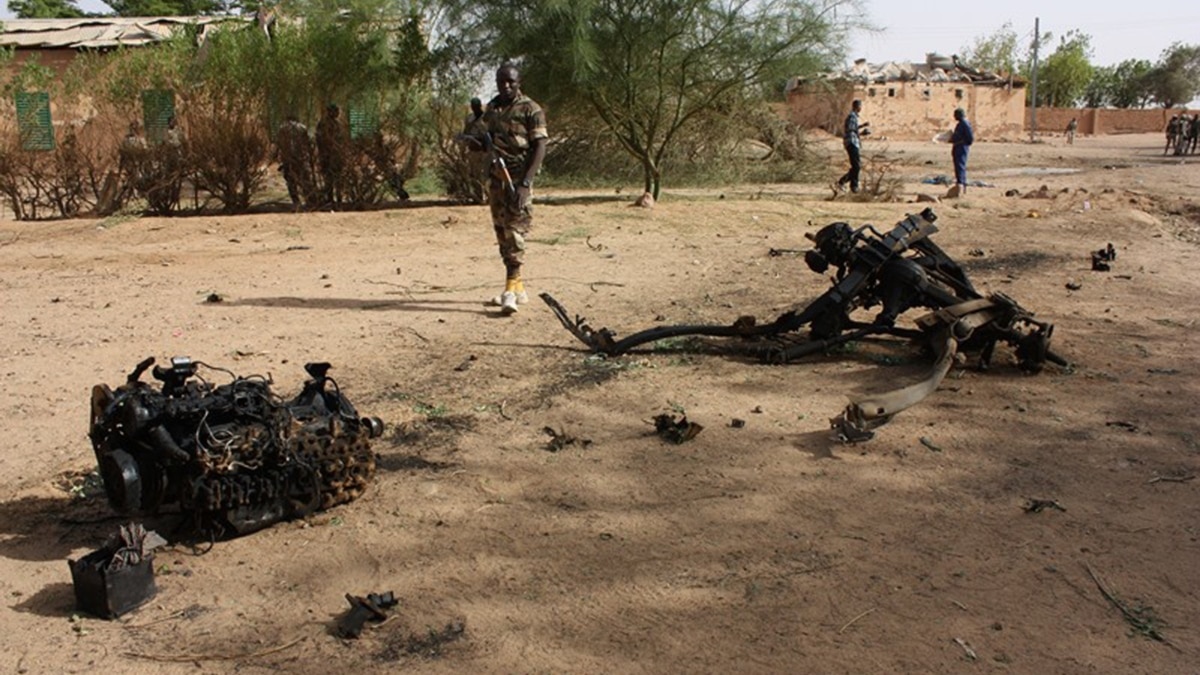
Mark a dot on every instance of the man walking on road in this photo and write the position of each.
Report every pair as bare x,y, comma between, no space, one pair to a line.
851,132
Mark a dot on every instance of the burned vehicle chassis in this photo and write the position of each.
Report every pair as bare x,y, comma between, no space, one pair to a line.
234,457
895,271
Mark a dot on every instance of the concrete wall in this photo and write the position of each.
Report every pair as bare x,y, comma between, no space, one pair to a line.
1102,120
909,110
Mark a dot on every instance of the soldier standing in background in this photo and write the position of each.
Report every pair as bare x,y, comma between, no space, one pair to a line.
133,155
331,149
295,153
477,160
1172,132
1072,126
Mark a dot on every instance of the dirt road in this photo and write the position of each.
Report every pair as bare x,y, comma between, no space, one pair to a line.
766,548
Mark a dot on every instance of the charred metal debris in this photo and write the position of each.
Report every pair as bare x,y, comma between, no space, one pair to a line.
235,457
373,607
895,271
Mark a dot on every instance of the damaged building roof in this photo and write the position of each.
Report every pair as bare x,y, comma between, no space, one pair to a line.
98,32
936,68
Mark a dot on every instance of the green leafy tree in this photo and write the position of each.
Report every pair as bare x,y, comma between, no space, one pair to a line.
650,71
1175,79
45,9
998,52
1064,76
164,7
1124,85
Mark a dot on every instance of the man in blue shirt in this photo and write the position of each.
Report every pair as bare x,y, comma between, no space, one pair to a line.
962,139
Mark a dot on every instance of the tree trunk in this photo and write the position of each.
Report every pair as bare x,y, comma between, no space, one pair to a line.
651,177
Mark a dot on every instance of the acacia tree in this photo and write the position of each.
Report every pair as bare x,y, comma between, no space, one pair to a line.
1175,79
165,7
1124,85
1064,75
45,9
648,71
998,52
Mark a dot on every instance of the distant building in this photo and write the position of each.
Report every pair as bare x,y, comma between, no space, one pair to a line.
911,100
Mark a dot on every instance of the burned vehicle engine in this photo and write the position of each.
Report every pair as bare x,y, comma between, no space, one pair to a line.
234,457
894,271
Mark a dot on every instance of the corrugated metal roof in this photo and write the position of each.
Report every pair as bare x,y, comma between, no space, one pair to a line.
97,32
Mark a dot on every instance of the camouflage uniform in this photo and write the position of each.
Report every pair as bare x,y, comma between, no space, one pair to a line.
295,159
133,156
513,127
331,153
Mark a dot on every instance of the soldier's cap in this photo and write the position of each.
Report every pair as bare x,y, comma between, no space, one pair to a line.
475,101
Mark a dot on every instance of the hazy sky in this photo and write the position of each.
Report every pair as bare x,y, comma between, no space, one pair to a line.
1118,28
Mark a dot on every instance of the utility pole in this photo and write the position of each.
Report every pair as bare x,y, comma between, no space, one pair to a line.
1037,34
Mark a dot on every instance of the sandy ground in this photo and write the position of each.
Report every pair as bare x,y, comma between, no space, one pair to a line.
766,548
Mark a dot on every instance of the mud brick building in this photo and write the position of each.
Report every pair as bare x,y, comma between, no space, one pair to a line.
911,100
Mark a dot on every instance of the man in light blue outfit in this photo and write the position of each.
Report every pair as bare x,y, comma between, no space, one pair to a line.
962,139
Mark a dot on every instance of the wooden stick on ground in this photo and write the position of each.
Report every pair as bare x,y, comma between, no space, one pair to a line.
851,621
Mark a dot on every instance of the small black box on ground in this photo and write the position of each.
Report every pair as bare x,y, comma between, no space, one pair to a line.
110,593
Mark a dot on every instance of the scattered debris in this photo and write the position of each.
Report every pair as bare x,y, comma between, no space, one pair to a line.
466,364
1141,618
976,253
927,442
560,439
646,201
737,423
1073,285
1183,478
676,431
214,298
371,608
1102,259
776,252
1038,505
923,197
119,577
1163,371
1012,193
1127,426
966,648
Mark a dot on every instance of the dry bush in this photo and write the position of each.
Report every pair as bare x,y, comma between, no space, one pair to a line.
372,170
461,172
878,181
61,183
227,151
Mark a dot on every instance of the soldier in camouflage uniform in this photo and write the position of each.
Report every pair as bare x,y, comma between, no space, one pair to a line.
331,153
517,128
294,150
